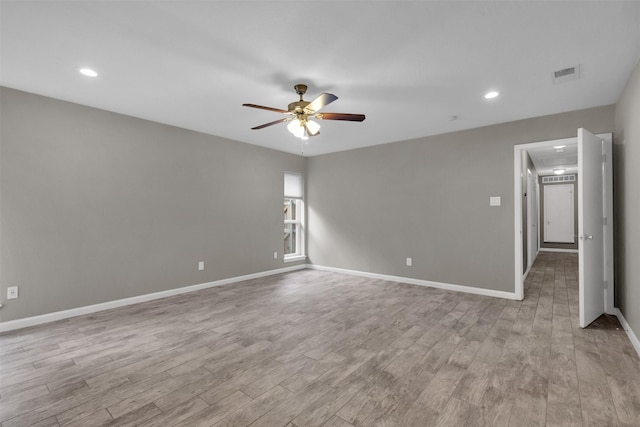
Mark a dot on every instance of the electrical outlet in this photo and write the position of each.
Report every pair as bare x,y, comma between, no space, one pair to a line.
275,255
12,292
409,262
201,266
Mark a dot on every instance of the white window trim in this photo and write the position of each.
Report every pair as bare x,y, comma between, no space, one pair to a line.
293,258
300,234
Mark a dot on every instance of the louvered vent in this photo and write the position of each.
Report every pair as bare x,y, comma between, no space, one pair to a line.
558,178
566,74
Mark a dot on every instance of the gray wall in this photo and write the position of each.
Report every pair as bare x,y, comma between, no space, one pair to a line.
626,157
369,209
97,206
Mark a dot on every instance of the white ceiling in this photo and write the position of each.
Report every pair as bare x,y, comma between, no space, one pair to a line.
548,158
407,65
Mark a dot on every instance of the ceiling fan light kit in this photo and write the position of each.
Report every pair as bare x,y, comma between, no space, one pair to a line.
301,112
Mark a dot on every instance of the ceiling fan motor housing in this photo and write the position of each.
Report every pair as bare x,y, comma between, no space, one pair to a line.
298,106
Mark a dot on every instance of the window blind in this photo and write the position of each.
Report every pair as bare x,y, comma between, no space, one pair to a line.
292,185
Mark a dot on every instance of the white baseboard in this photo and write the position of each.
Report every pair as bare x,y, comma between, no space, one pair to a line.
632,336
65,314
570,251
420,282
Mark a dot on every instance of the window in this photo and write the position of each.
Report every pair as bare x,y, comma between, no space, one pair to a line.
293,213
291,227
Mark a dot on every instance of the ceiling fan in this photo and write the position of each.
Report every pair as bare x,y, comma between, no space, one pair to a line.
301,112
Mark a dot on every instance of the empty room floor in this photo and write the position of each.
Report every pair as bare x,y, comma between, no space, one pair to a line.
313,348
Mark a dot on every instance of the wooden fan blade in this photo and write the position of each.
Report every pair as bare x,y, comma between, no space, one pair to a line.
341,116
323,100
275,122
262,107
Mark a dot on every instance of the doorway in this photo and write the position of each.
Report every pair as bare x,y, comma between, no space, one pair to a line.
522,211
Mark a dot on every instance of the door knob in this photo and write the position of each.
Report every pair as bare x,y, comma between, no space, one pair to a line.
586,237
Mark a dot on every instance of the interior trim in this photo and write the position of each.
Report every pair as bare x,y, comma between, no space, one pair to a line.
420,282
570,251
65,314
73,312
632,336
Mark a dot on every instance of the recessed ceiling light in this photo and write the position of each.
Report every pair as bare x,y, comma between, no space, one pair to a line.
88,72
559,171
491,95
559,148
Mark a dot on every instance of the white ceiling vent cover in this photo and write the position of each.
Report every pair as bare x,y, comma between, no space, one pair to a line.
558,178
566,75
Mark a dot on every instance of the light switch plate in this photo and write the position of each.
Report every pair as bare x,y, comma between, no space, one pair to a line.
495,201
201,266
12,292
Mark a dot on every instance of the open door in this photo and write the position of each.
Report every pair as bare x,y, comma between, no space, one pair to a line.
591,222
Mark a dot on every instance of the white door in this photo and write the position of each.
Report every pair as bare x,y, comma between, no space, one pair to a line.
532,218
558,214
590,226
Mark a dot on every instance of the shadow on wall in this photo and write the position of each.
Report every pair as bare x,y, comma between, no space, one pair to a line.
619,209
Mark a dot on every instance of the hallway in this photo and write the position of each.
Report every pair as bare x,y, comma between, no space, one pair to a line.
595,368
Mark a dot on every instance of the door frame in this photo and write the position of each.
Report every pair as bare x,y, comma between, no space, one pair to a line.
533,207
518,151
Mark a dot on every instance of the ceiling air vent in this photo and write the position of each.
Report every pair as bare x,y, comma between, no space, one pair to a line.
559,178
566,75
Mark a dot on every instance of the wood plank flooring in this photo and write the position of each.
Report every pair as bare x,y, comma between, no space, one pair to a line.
313,348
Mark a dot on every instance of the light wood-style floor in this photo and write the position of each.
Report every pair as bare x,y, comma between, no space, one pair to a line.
313,348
